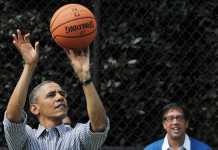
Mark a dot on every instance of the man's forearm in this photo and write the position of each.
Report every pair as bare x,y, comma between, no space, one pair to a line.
18,97
95,108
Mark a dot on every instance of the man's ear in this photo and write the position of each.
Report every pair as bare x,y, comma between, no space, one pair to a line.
164,125
186,124
34,108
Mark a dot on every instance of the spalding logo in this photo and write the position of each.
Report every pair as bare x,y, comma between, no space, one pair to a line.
73,28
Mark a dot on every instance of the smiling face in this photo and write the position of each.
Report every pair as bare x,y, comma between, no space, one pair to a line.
50,103
175,124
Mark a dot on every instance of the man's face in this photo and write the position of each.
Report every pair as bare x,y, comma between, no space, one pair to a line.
175,124
51,102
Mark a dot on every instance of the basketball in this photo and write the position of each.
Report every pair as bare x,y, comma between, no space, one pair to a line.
73,26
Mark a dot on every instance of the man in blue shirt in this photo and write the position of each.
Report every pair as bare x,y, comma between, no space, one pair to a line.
175,122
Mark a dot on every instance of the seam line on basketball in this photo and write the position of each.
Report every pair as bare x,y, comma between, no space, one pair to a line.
74,36
69,21
58,15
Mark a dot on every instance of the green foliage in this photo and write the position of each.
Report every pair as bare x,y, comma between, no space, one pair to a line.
150,53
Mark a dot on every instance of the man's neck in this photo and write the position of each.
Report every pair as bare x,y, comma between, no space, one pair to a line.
50,123
176,143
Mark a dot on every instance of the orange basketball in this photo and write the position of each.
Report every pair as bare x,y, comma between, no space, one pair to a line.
73,26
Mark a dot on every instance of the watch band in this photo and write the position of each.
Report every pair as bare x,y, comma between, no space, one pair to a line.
86,82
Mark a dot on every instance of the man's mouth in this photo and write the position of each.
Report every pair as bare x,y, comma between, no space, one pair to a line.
176,130
61,106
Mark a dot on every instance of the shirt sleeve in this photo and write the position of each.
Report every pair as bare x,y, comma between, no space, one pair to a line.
15,133
89,139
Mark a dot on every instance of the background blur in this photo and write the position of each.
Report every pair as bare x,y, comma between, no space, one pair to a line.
147,53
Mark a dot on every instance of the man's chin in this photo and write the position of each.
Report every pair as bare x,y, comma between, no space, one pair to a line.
176,136
61,115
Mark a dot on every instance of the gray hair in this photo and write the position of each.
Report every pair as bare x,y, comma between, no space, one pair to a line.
33,94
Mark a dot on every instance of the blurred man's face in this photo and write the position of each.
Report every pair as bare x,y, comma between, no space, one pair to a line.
51,102
175,124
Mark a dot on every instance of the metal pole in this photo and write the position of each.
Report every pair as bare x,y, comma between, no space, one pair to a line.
96,46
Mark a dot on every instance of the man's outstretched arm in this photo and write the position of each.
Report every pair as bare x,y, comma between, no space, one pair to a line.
30,55
79,59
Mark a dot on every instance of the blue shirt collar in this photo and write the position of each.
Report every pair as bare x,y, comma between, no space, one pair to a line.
60,128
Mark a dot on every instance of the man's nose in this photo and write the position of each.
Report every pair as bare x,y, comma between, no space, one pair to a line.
59,97
175,120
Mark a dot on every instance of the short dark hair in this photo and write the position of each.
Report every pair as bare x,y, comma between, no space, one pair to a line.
176,106
33,94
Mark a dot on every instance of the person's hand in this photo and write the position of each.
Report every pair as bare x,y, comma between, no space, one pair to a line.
22,43
79,59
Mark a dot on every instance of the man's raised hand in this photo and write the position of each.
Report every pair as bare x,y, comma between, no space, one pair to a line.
22,43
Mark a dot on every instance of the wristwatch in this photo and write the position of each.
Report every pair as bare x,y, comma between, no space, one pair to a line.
86,82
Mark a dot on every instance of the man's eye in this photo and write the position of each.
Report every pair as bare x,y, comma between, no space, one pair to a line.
62,93
51,94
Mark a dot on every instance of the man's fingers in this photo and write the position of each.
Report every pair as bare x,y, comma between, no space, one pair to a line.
87,52
15,40
76,51
27,37
37,46
16,45
81,51
88,55
19,36
66,51
72,52
14,37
